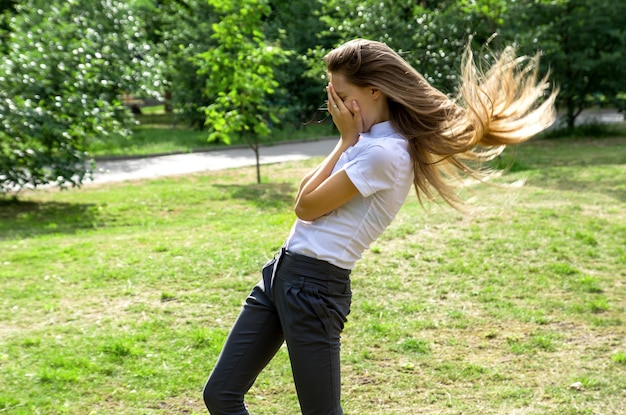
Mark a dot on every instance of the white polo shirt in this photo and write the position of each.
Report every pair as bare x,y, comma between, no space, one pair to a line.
380,167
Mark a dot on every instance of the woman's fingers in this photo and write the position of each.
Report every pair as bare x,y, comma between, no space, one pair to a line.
335,103
331,101
350,125
358,119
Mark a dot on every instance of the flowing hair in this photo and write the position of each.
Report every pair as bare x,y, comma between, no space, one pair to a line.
451,138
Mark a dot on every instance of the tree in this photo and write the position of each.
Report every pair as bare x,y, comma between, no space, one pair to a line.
60,83
178,30
430,35
299,20
584,46
7,7
241,73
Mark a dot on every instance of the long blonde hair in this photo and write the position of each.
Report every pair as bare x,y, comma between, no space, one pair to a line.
452,138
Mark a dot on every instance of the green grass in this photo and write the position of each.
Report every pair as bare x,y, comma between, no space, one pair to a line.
158,133
116,299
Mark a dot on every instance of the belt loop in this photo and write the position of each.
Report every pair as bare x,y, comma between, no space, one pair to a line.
278,258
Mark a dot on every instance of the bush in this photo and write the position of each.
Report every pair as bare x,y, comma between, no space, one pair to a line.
59,86
587,130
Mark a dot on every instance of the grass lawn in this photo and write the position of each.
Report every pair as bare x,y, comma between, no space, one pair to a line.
158,133
116,299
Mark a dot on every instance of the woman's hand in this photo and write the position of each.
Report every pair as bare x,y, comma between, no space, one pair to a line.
347,119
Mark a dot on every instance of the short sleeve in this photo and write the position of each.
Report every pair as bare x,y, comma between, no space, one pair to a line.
373,170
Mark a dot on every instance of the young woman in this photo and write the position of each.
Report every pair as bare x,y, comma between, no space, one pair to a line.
397,131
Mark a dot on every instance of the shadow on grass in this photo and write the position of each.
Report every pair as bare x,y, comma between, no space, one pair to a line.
581,165
21,219
612,185
265,195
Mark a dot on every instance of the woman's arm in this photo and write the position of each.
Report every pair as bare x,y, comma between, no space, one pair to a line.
320,192
349,123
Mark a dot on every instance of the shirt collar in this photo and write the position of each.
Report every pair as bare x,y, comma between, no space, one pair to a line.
383,129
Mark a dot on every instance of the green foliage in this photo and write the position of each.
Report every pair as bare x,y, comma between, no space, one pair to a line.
583,43
7,8
240,71
224,63
179,31
300,96
430,35
59,86
584,51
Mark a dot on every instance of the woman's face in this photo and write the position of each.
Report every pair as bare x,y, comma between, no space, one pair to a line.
371,102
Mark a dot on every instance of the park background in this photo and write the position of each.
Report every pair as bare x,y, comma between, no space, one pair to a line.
116,298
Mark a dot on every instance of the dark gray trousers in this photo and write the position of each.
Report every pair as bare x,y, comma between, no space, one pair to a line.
302,301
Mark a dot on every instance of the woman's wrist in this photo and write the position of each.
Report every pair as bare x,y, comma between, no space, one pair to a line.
349,139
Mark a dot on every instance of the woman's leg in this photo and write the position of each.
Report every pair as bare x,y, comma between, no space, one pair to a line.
313,312
254,339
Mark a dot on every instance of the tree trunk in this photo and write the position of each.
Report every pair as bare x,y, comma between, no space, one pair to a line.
167,105
258,163
570,117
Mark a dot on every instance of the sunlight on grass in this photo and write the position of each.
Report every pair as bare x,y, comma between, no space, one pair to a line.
117,298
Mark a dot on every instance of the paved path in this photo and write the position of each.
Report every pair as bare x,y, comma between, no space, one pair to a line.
177,164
